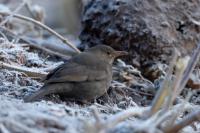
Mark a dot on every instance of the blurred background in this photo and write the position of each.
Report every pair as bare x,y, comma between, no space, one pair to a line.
62,15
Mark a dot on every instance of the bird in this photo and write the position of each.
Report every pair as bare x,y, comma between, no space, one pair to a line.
84,77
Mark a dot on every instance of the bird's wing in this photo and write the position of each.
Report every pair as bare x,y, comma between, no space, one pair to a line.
75,72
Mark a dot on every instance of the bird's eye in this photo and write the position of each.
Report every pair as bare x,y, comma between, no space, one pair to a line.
108,53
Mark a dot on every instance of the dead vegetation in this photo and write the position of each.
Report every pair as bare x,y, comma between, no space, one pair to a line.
132,104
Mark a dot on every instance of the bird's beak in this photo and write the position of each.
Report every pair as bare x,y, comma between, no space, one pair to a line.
120,53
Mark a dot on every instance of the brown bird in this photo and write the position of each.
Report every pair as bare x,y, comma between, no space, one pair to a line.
84,77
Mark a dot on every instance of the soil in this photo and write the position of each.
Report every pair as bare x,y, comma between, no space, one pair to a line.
149,30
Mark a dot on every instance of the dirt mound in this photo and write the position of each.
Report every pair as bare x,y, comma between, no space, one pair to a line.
147,29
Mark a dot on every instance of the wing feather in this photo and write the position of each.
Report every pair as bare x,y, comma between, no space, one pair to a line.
74,72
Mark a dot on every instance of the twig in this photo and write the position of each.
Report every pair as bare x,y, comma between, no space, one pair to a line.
51,68
27,71
4,36
64,40
104,107
180,68
132,70
28,7
196,22
46,44
179,111
189,119
96,115
149,125
192,63
124,87
99,125
8,34
165,89
135,111
13,124
148,81
170,116
9,17
30,42
103,126
49,51
3,129
153,122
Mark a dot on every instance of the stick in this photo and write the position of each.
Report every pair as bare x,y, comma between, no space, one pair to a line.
3,129
32,43
135,111
9,17
64,40
164,91
27,71
189,119
14,124
49,51
192,63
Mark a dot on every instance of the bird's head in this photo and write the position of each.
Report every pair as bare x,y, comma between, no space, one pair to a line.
106,53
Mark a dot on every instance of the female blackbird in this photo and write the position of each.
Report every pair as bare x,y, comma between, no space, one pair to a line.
84,77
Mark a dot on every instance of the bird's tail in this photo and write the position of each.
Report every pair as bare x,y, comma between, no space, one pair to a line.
45,90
